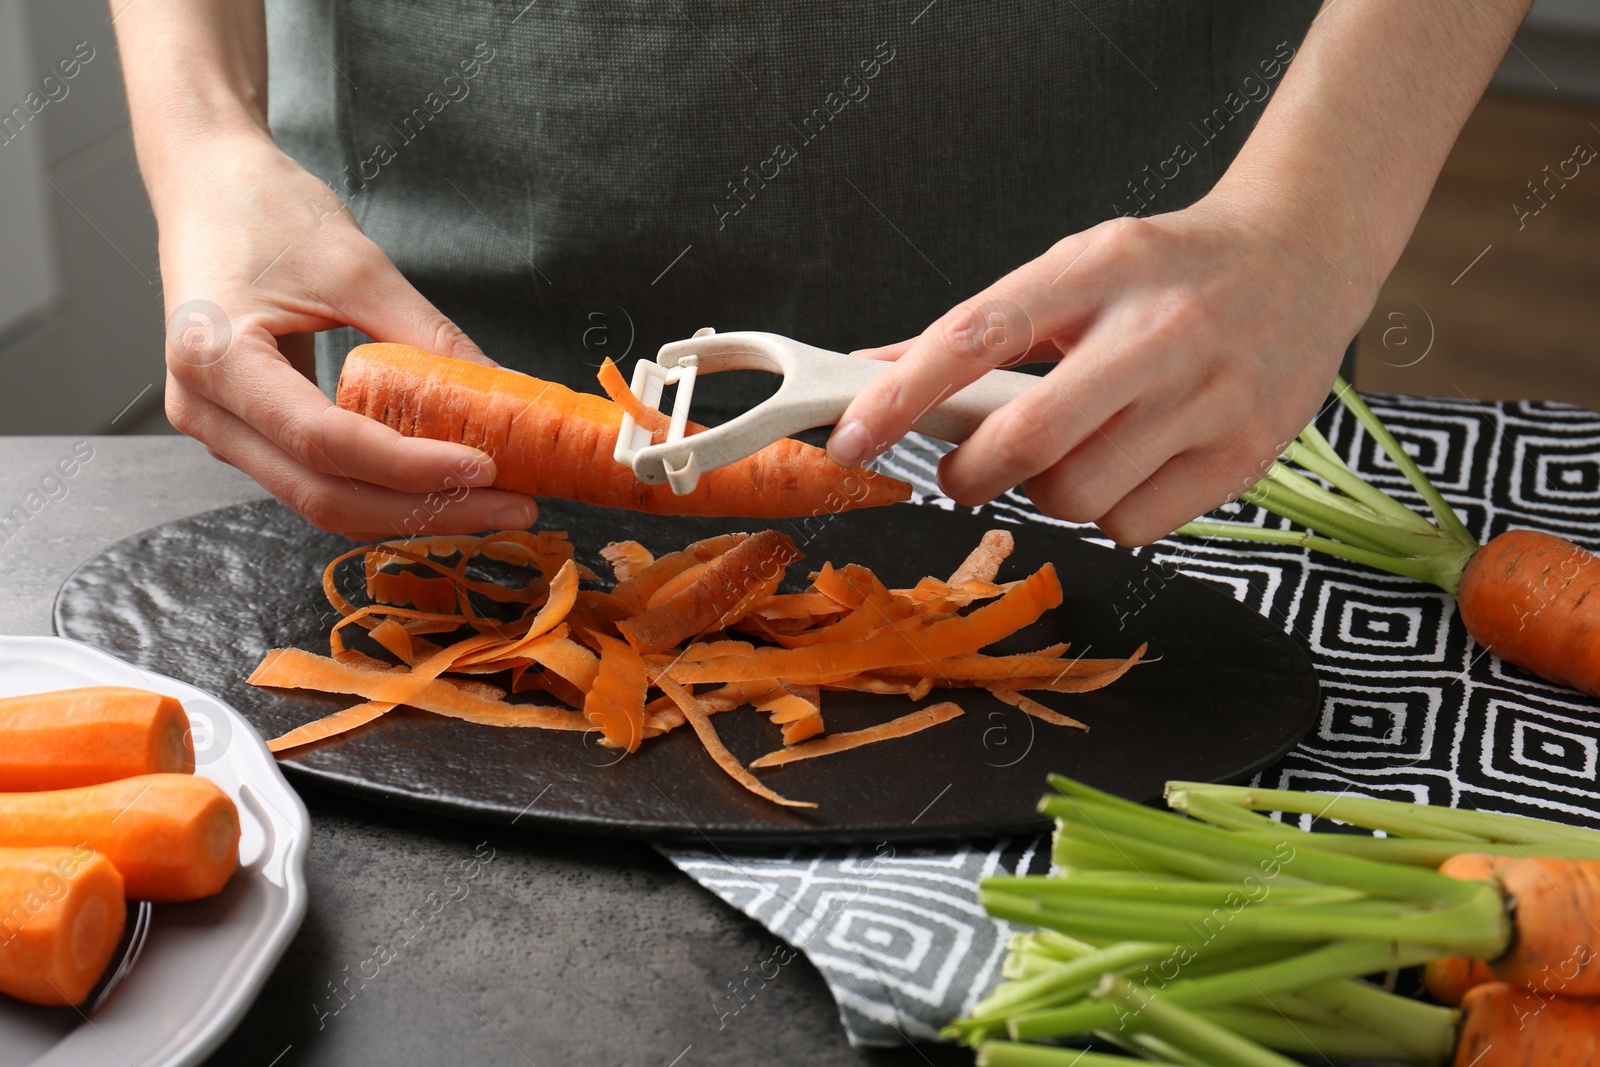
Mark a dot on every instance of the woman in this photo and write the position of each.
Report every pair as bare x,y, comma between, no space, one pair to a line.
1189,206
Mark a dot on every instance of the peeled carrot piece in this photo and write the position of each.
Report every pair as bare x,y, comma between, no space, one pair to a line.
74,737
798,606
635,592
172,837
695,712
653,419
547,440
1020,606
616,702
983,563
1034,708
408,587
563,594
878,607
678,584
802,729
627,558
904,726
61,916
293,668
339,722
738,578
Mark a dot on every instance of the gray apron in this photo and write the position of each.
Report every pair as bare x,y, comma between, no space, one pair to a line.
571,180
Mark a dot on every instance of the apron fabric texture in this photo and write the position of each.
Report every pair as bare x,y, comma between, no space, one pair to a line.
571,180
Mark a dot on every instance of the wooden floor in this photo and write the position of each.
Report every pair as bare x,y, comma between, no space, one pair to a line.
1523,321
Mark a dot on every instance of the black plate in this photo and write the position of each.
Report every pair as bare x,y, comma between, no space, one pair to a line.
202,599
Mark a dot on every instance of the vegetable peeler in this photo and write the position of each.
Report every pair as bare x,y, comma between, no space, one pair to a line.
817,387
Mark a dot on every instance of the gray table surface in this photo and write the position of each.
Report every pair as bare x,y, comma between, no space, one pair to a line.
565,951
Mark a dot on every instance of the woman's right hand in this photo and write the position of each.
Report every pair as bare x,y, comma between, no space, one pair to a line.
256,255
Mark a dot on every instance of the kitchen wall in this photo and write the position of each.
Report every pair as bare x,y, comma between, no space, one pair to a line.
80,304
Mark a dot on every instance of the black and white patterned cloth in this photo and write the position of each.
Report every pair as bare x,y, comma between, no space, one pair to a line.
1412,709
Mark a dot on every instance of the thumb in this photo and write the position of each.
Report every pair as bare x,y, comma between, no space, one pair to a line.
387,307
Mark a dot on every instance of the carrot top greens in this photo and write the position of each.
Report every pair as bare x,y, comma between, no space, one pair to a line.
1354,519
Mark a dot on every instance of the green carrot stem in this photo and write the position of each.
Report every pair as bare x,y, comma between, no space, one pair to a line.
1445,515
1454,928
1356,521
1012,1054
1378,879
1348,482
1230,816
1443,572
1205,960
1405,819
1060,946
1070,887
1289,1035
1293,496
1338,959
1067,981
1442,823
1020,966
1182,859
1147,857
1074,854
1148,1012
1418,852
1312,438
1150,1049
1428,1031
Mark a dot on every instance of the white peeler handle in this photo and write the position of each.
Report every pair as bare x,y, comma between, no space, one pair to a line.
817,387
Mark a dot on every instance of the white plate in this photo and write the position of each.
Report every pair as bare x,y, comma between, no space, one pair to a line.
204,962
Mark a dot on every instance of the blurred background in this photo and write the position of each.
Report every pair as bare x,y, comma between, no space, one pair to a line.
1497,296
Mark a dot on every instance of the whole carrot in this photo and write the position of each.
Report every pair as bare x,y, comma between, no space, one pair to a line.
1502,1026
1531,598
1450,978
1534,599
1554,906
548,440
74,737
61,915
172,837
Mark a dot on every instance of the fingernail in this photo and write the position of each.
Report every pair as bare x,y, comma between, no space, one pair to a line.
515,517
850,445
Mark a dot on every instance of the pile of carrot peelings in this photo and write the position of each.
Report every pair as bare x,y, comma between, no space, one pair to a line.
464,627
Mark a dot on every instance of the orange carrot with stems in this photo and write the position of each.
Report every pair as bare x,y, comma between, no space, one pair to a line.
1502,1026
1531,598
1448,980
1554,904
548,440
74,737
61,916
